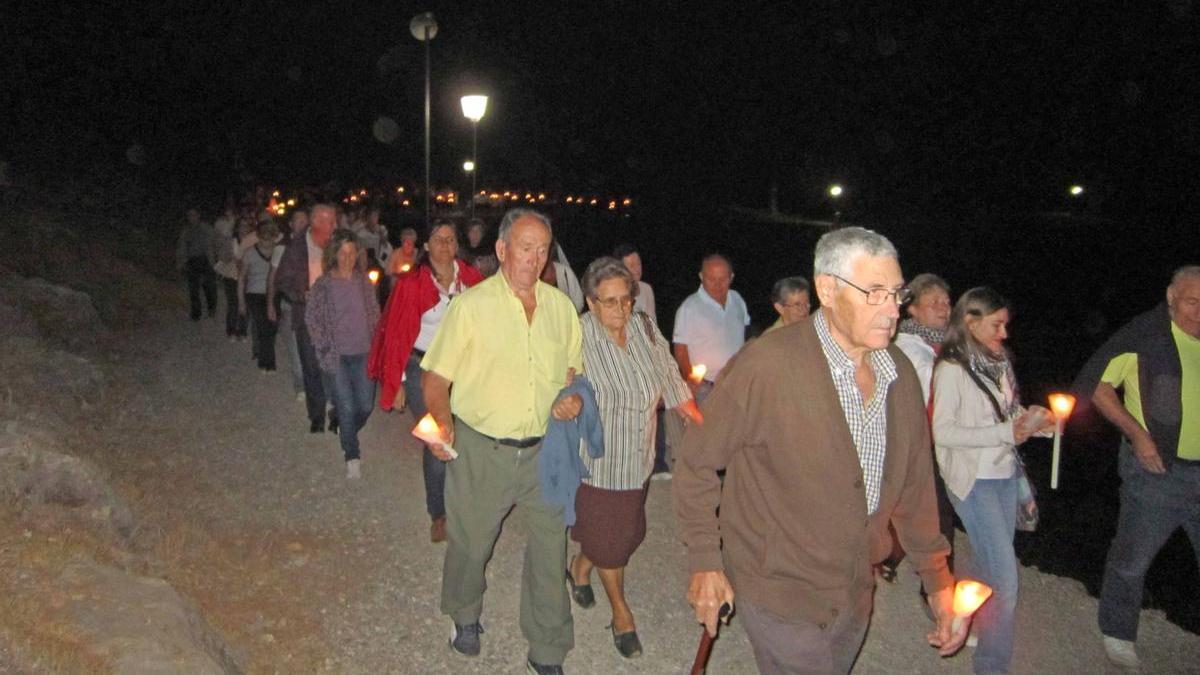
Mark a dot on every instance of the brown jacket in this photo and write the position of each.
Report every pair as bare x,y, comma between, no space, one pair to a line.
793,534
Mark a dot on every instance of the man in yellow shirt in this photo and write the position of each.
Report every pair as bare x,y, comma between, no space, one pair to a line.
1155,360
508,346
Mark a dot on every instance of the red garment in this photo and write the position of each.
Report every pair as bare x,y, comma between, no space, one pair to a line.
413,295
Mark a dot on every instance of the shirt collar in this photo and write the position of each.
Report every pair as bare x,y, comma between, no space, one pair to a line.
710,299
881,360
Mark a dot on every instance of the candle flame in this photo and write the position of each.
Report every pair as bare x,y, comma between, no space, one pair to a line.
373,275
1062,405
427,425
969,595
698,372
405,267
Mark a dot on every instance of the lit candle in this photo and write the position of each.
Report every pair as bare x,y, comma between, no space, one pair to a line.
698,372
968,597
428,430
405,267
1062,405
373,275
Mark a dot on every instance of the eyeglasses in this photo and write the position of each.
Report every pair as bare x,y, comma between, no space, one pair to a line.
623,302
878,296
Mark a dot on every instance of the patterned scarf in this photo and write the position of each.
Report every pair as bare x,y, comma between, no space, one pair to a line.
932,336
999,370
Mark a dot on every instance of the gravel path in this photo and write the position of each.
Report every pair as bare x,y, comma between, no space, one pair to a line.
305,571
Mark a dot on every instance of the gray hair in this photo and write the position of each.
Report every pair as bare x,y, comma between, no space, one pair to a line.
786,286
514,215
1185,272
837,249
716,257
603,269
923,283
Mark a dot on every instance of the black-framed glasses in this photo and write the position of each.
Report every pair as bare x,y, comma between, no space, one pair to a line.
878,296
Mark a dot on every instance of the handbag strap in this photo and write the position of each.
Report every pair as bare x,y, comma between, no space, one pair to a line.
988,392
649,328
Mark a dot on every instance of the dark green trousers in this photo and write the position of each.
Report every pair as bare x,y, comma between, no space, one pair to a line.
483,485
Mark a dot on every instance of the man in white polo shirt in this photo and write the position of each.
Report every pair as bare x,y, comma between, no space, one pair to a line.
710,327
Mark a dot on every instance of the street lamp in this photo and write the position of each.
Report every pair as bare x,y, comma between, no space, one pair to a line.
424,28
469,167
1076,190
835,193
474,107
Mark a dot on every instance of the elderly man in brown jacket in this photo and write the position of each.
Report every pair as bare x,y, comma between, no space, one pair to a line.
821,429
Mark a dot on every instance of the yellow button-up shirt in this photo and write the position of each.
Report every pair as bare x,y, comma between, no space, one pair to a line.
506,372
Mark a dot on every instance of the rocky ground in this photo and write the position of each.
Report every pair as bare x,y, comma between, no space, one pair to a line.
278,564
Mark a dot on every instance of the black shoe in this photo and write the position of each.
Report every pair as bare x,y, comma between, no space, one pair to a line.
317,426
627,644
333,425
542,669
465,639
581,593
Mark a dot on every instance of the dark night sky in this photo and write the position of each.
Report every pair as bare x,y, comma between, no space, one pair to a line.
955,106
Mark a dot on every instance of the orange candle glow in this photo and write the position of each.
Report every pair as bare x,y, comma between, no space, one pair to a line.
428,431
1062,405
698,372
405,267
373,275
968,597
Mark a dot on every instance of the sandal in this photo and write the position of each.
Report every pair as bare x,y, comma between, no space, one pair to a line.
580,593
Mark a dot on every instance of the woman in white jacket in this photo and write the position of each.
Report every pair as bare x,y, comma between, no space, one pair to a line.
978,421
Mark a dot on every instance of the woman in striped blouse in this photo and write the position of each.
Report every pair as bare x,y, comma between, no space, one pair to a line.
627,361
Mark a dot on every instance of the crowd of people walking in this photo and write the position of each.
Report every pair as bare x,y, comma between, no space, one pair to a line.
806,462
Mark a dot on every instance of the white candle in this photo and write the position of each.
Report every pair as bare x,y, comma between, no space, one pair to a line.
1062,405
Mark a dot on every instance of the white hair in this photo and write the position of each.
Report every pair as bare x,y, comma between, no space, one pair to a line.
836,250
1185,272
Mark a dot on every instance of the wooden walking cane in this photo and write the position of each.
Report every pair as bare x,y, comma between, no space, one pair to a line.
706,642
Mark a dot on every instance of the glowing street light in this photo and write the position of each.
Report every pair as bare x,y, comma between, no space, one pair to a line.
836,190
424,28
474,107
1076,191
469,166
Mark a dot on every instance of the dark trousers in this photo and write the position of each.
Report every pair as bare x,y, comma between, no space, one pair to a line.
314,389
200,276
433,468
264,330
1152,506
354,400
235,323
783,647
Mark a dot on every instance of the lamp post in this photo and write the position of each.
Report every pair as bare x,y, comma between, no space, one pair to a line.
424,28
835,193
474,106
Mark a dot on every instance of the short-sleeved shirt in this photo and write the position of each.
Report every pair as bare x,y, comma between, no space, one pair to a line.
645,301
506,371
712,333
1122,372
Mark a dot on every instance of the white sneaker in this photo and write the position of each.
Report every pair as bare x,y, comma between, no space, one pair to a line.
1121,653
972,638
353,470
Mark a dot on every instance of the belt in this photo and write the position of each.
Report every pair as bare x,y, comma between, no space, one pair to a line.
527,442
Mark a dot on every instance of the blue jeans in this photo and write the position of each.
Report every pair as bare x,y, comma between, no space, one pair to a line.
1152,506
354,399
433,468
990,515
